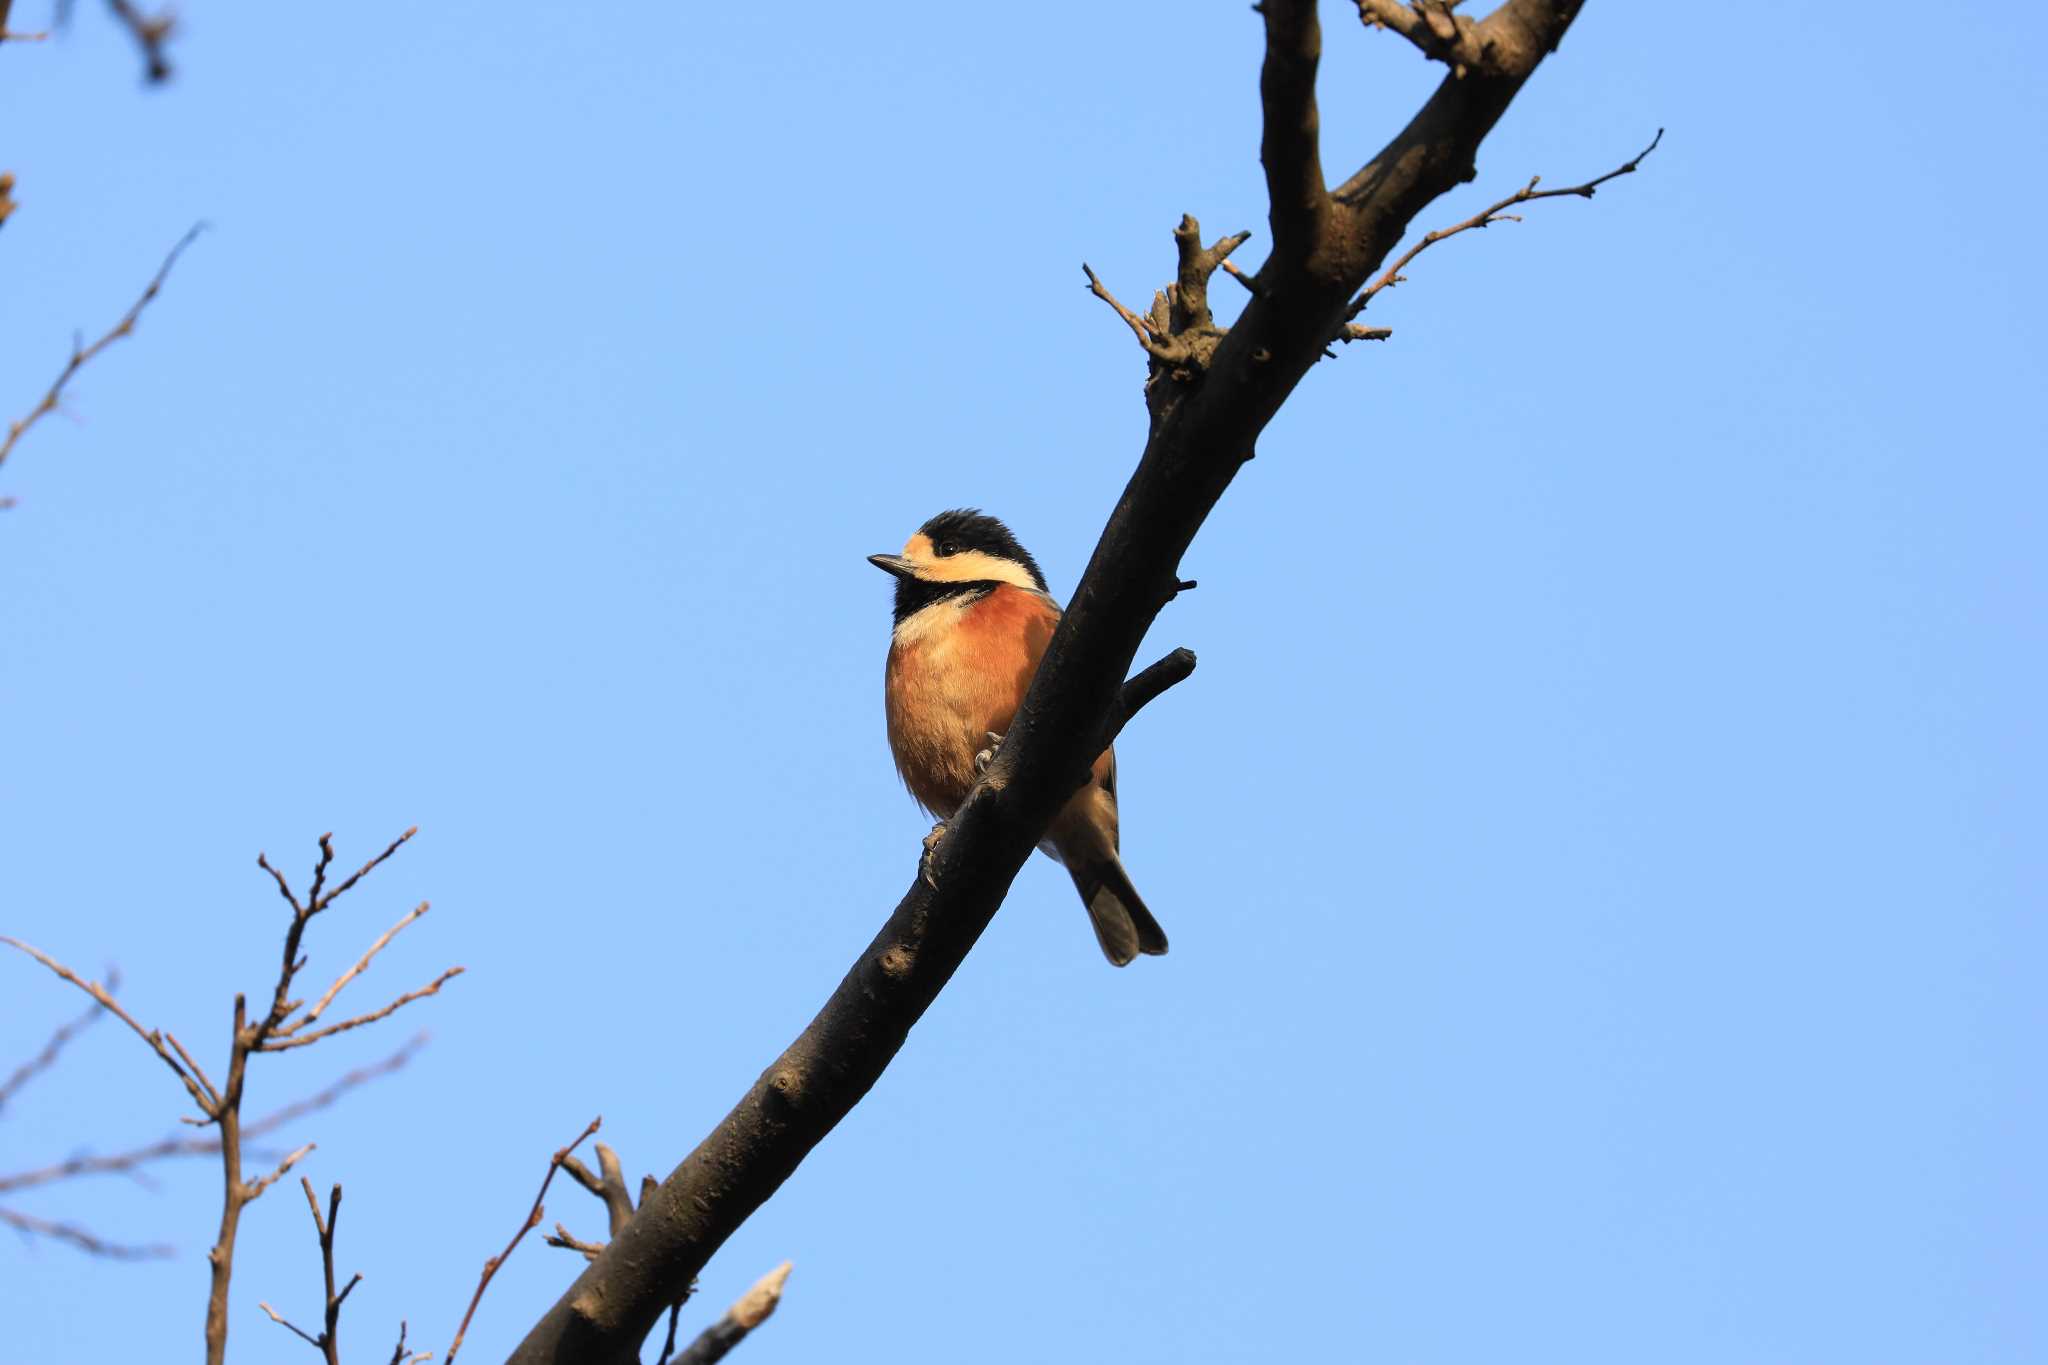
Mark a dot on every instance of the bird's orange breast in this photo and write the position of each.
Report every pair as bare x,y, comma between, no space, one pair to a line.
956,674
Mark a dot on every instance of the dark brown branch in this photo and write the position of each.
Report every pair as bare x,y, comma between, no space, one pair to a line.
1440,32
1145,688
8,203
1298,200
150,32
610,1187
47,1058
328,1342
532,1221
401,1356
80,355
1201,434
754,1308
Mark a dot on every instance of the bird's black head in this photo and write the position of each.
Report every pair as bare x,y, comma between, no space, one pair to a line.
955,553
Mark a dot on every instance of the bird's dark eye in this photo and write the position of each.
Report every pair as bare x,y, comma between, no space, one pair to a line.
949,547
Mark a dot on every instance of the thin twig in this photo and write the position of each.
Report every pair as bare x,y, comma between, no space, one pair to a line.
206,1099
81,355
45,1059
1139,329
267,1181
562,1237
301,1332
1492,213
365,870
362,964
433,987
80,1238
401,1356
532,1222
126,1162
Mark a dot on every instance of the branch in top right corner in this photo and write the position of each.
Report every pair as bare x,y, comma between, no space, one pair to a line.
1493,213
1436,29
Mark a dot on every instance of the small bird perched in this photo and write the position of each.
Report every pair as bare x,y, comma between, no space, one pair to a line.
973,618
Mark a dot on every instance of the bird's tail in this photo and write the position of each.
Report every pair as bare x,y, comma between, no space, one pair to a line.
1123,926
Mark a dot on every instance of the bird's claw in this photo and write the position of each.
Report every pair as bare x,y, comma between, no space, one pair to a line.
988,755
931,851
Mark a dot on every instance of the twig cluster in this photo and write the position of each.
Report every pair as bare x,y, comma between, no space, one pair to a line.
1179,333
286,1024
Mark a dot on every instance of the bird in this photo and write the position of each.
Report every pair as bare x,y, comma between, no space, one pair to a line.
972,619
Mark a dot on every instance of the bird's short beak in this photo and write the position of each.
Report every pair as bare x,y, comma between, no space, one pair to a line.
894,564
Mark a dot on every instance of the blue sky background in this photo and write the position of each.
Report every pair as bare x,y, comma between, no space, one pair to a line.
1602,844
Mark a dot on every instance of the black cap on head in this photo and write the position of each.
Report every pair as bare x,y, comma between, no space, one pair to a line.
967,528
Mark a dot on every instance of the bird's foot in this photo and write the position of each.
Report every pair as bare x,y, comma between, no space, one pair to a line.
931,850
988,755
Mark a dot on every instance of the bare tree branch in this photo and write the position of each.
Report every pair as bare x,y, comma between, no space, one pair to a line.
80,355
610,1187
1433,26
80,1238
150,32
202,1093
257,1187
431,988
1299,206
1486,217
362,965
401,1356
47,1058
126,1162
753,1308
263,1035
555,1163
328,1342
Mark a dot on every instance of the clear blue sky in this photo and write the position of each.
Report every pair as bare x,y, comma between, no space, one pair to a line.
1602,844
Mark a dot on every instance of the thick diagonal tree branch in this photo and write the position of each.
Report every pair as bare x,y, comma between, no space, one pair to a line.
1325,247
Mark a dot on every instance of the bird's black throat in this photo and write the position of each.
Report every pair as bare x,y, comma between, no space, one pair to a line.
913,595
